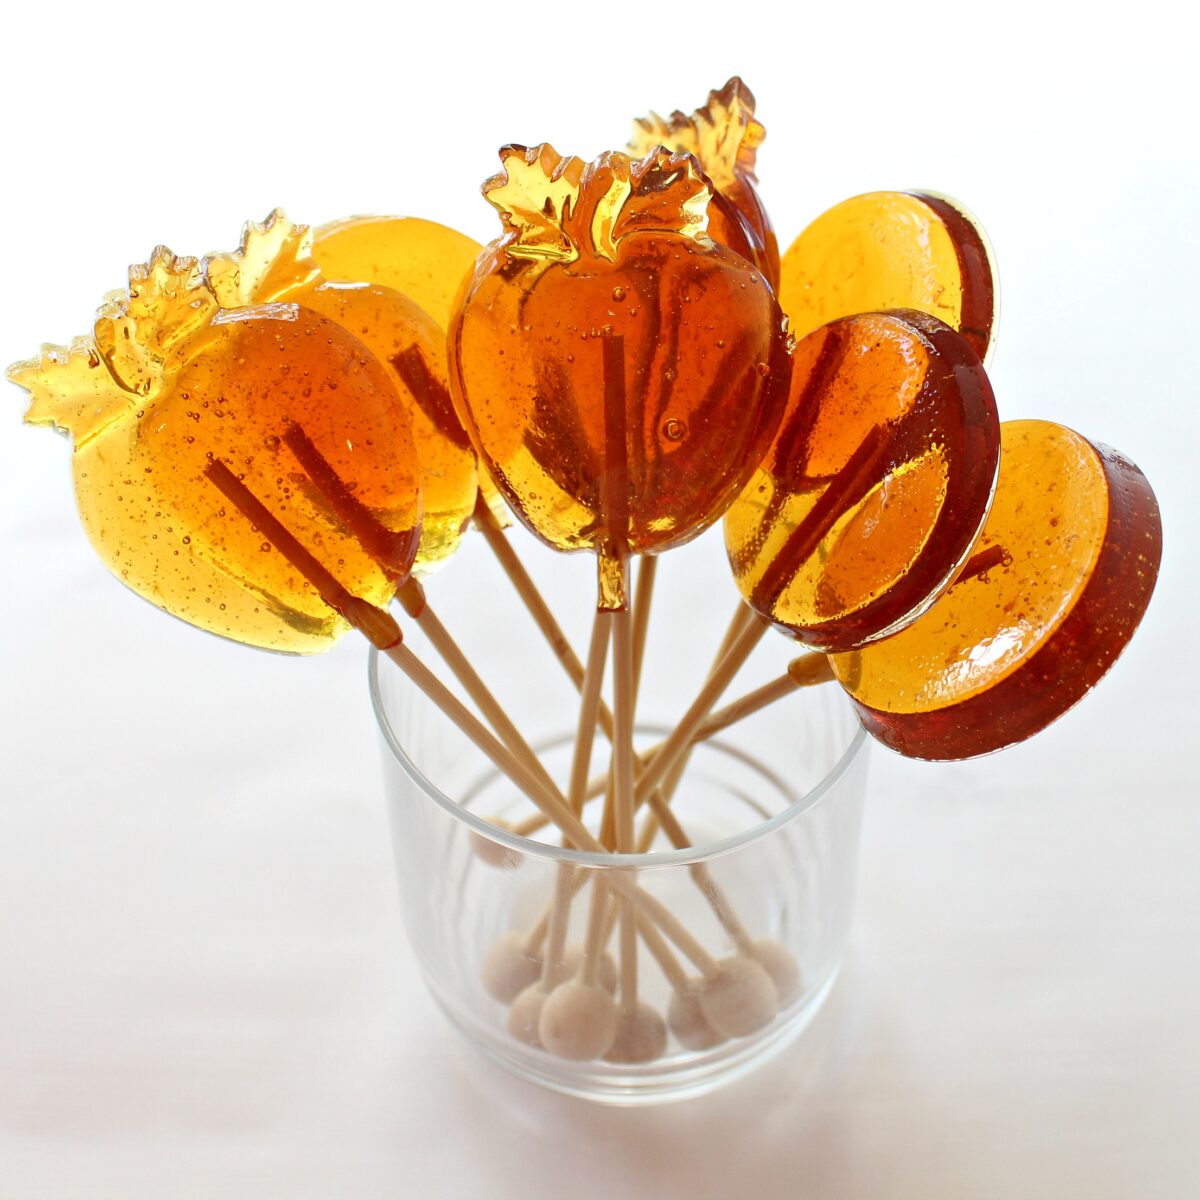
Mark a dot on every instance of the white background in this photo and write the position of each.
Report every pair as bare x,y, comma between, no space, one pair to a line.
204,989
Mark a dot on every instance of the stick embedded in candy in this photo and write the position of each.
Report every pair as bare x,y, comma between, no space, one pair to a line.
871,496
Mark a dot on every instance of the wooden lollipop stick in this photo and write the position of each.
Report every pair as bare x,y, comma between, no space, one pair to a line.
560,915
738,624
535,603
623,705
647,571
595,937
585,731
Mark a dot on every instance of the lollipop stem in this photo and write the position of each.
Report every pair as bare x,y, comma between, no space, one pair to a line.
586,729
642,596
622,769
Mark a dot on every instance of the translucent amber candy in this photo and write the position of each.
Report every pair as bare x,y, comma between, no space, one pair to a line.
422,260
876,485
1054,590
640,455
275,263
893,250
298,409
724,137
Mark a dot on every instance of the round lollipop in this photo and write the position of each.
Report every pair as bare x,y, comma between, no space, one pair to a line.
893,250
1054,590
876,485
281,397
420,259
617,370
724,137
275,263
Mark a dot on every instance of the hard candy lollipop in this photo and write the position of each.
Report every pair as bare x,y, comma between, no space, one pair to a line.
275,263
877,482
420,259
723,136
639,453
287,400
1054,590
893,250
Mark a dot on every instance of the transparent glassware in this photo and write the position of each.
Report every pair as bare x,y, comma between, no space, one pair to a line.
773,807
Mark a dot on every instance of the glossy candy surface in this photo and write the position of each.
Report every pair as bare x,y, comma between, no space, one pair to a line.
1056,587
876,484
724,136
619,372
892,250
296,408
275,264
422,260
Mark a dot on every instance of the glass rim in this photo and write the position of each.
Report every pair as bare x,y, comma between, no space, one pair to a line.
590,858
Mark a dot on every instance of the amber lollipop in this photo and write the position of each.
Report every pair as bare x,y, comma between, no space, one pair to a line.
723,136
877,483
617,370
275,263
170,384
1054,590
893,250
420,259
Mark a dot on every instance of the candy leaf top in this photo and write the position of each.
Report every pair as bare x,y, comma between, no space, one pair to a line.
561,209
70,389
166,305
274,258
724,135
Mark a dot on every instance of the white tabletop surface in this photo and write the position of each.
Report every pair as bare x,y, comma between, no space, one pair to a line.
204,985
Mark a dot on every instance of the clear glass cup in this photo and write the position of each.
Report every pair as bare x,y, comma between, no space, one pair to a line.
738,940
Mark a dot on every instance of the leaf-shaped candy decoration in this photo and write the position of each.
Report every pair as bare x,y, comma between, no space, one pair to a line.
166,305
273,259
71,389
560,209
724,136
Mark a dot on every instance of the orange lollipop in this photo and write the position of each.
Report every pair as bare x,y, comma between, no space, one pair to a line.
724,137
278,397
1056,587
618,371
275,263
422,260
876,485
893,250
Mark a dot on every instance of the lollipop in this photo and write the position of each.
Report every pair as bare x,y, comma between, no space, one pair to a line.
876,486
893,250
288,399
606,350
275,263
422,260
724,136
1056,587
